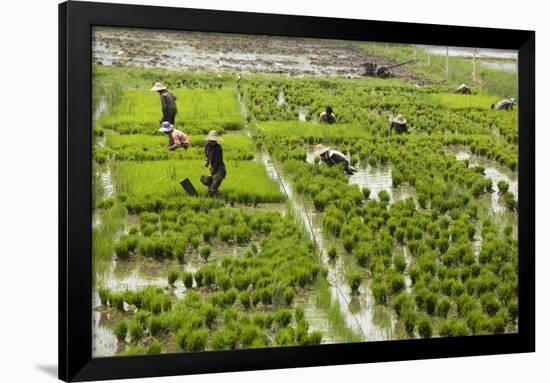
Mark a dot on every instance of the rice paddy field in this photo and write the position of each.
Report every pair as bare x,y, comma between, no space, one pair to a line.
420,242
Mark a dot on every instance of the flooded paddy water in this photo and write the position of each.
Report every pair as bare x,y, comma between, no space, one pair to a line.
360,312
493,170
374,178
179,51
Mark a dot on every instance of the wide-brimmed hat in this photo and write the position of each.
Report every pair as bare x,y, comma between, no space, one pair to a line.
320,149
166,127
158,86
399,119
213,136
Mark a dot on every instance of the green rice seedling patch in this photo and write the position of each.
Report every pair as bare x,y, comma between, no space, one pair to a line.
462,101
212,314
142,147
246,181
199,111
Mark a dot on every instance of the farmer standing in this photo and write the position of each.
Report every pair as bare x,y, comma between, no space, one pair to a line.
506,104
214,158
332,157
327,117
398,124
176,139
168,103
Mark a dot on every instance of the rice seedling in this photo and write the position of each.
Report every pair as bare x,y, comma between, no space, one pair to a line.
354,281
121,330
409,318
288,295
503,186
424,326
283,317
192,340
154,348
135,330
332,253
204,252
172,277
187,278
285,337
104,294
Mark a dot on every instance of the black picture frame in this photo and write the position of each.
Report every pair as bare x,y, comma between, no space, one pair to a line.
76,20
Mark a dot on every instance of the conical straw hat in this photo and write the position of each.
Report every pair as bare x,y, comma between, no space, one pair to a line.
320,149
158,86
213,136
399,119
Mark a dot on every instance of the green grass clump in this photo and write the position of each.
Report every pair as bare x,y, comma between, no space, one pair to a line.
288,295
120,330
332,253
354,281
172,276
192,340
283,317
135,330
424,326
503,186
204,252
187,278
104,294
156,325
154,348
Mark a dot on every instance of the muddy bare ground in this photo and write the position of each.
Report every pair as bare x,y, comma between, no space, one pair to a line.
182,50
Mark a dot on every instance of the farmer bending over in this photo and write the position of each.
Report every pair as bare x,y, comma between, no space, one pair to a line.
168,103
176,139
463,89
506,104
327,117
333,157
214,158
398,124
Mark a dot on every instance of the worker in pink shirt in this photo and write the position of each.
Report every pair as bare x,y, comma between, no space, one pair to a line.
176,138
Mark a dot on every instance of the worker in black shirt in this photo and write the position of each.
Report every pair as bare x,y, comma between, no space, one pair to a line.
167,102
214,158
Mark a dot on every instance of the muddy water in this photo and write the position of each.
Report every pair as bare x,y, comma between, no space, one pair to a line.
493,170
360,311
376,179
181,50
318,319
136,274
469,52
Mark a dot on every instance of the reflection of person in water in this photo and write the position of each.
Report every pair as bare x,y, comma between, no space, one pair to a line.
214,158
327,117
332,157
